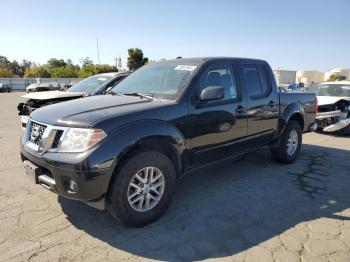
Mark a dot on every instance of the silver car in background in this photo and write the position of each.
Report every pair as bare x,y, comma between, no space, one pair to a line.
333,106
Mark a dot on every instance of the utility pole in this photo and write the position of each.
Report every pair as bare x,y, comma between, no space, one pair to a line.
98,52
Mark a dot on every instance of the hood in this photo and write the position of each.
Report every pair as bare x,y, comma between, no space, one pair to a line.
87,111
48,95
329,100
32,86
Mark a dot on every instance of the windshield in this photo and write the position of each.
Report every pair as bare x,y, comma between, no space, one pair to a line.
331,90
33,85
162,80
90,84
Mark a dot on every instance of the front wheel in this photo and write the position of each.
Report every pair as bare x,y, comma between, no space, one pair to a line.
290,143
142,189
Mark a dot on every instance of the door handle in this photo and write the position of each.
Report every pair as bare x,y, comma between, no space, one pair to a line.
240,109
272,104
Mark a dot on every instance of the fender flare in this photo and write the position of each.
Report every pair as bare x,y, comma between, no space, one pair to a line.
121,140
292,109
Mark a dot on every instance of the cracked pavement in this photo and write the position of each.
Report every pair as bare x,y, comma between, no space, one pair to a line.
247,210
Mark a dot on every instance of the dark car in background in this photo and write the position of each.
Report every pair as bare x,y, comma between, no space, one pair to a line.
5,88
125,151
93,85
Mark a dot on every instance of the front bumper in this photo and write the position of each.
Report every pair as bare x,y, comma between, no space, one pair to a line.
332,121
59,171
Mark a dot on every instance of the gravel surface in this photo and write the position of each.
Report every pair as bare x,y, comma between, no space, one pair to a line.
249,210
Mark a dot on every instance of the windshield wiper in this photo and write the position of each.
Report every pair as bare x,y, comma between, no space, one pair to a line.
142,95
114,93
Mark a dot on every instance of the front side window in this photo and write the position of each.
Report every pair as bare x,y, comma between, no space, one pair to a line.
163,80
220,74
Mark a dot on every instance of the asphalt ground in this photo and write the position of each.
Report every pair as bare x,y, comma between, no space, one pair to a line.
248,210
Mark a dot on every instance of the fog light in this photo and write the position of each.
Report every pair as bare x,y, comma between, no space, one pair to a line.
73,187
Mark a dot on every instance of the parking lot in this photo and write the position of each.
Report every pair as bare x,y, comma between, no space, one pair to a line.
252,209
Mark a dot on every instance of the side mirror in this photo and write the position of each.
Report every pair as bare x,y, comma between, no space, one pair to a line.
108,89
212,93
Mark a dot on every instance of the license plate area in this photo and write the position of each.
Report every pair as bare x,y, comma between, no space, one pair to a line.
32,171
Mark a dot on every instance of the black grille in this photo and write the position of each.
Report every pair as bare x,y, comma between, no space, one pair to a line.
56,140
36,133
324,122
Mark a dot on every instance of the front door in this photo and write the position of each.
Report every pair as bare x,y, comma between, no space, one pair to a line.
217,126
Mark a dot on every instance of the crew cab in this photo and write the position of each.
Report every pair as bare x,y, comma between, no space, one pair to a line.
126,150
93,85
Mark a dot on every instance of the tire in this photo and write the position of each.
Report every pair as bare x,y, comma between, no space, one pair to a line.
283,153
118,204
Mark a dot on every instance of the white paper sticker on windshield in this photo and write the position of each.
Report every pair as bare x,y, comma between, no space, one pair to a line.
101,79
185,67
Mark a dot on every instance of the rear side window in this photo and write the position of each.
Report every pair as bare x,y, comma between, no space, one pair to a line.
265,81
256,81
252,80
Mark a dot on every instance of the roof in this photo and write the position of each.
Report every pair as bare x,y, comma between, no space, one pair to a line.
336,83
108,74
202,59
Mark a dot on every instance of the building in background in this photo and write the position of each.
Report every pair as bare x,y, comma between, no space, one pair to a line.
285,76
338,71
308,77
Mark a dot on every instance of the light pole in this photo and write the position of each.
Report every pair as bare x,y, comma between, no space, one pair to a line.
98,52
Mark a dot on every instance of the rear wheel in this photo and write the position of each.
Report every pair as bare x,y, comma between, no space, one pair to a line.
290,143
142,189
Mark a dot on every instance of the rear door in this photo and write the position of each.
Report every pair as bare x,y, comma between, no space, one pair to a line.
262,98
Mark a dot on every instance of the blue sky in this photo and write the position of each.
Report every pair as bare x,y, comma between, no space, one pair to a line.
294,34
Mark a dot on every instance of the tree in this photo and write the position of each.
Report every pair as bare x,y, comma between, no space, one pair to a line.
335,77
23,66
105,69
4,62
8,69
53,62
64,71
136,59
57,68
86,61
90,69
4,72
15,68
37,71
87,70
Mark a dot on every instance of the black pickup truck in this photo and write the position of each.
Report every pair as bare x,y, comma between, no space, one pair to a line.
126,150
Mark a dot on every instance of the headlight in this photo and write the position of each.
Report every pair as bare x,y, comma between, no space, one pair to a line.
79,140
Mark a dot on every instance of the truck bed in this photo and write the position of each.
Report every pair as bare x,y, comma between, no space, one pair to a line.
306,100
